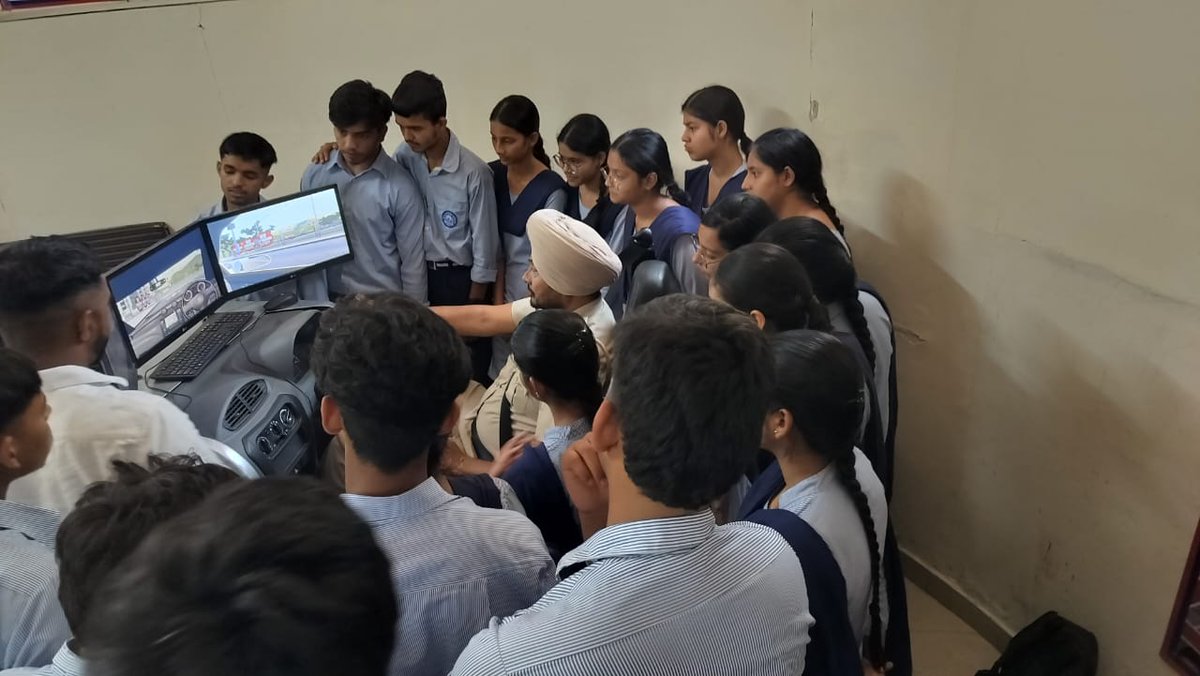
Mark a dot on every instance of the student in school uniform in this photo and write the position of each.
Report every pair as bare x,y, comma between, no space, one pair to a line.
661,588
385,214
714,132
523,183
733,222
560,364
821,477
784,168
570,264
835,283
640,176
107,524
582,155
32,625
302,581
244,169
390,371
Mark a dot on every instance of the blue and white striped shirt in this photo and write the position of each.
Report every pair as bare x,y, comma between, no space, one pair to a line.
385,217
66,663
32,625
663,596
454,566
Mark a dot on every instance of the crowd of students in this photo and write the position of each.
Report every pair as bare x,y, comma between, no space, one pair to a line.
524,478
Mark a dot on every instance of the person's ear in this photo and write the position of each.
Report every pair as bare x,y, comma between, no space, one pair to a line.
441,122
720,129
649,181
606,428
331,416
9,460
534,138
383,133
788,177
89,327
759,318
778,424
535,388
451,419
218,167
268,181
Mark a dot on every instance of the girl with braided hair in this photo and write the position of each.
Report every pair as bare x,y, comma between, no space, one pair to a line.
784,168
851,310
821,477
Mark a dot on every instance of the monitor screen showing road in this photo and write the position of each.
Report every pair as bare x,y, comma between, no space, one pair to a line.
159,294
278,240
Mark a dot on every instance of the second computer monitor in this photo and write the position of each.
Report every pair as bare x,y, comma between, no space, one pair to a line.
278,240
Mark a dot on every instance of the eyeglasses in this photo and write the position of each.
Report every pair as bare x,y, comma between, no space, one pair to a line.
706,257
570,164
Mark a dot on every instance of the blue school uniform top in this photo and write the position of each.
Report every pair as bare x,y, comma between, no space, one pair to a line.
695,184
678,595
536,477
547,190
673,241
460,205
602,217
385,218
454,566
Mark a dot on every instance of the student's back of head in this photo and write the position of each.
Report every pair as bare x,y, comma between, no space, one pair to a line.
390,370
690,383
557,352
275,577
112,518
767,282
54,298
25,436
829,267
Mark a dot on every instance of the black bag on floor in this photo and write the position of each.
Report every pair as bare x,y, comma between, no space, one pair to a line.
1051,646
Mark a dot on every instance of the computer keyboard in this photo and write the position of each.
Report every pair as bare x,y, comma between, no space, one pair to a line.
190,359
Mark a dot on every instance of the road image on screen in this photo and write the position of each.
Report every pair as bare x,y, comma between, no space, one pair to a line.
157,295
277,240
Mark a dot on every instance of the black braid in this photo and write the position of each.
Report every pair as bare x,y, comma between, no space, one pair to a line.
675,192
856,315
823,202
844,464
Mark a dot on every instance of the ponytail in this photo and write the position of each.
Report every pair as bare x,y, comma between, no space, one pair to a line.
821,198
744,144
844,466
539,152
675,192
856,315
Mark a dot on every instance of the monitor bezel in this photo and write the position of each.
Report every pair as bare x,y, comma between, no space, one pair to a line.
229,294
206,250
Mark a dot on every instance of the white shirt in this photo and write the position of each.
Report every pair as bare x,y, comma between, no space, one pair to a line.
94,422
824,504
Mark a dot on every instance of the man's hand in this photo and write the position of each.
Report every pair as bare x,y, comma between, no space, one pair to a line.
478,293
587,484
510,452
324,153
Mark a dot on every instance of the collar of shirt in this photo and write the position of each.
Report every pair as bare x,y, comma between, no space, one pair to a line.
421,499
563,433
651,537
380,164
797,498
60,377
67,663
33,522
453,152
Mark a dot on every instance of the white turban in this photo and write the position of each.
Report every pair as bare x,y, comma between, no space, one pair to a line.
572,257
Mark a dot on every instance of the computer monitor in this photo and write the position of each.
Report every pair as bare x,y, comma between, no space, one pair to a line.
164,291
278,240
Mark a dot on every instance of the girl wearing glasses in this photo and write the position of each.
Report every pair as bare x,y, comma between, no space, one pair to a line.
582,155
714,131
733,222
524,183
657,225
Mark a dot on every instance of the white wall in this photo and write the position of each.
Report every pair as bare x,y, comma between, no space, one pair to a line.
115,117
1020,179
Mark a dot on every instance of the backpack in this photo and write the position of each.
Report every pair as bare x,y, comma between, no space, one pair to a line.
1051,646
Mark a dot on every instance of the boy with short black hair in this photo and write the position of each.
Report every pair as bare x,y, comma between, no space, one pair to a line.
108,523
32,626
385,214
662,586
274,577
244,169
391,371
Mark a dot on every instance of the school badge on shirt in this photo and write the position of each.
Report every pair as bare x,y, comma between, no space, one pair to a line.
449,219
